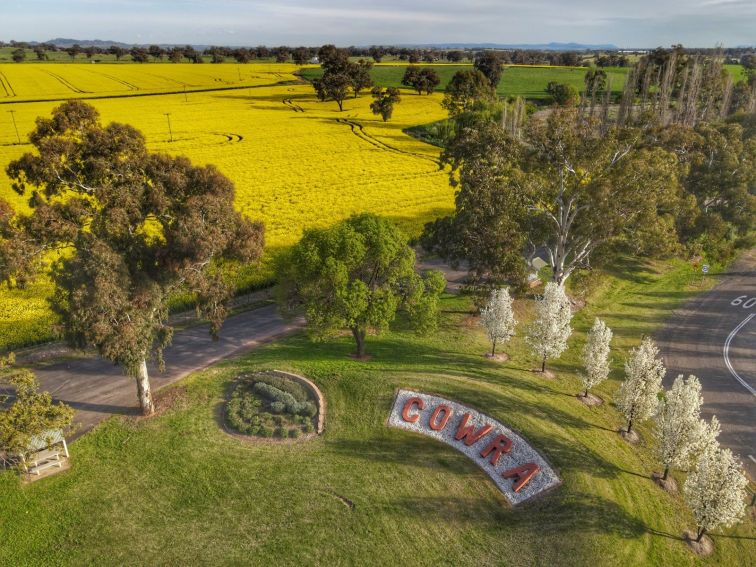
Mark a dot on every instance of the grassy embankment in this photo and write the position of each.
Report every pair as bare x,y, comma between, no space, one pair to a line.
176,490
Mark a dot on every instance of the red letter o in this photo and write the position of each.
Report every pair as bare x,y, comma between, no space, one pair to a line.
435,425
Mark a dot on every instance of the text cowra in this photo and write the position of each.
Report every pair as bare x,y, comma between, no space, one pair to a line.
518,470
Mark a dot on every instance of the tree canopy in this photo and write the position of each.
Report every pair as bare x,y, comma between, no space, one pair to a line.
488,62
356,275
29,412
467,90
384,101
137,227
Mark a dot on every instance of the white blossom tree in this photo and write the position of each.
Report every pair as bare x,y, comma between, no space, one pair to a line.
715,490
596,355
637,397
548,333
498,317
679,427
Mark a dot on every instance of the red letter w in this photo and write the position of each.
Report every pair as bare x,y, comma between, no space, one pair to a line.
467,432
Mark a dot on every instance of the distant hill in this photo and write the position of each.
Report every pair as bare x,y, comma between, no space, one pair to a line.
64,42
67,42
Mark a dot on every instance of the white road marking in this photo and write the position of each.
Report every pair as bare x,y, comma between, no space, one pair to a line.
751,457
726,353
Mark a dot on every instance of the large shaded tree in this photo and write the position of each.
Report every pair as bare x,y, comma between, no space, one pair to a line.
134,228
356,276
467,90
565,187
486,231
384,101
488,62
423,80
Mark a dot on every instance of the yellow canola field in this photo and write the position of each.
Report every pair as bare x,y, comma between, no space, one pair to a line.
45,81
296,163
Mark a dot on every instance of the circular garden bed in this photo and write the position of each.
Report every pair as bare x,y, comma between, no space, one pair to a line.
274,404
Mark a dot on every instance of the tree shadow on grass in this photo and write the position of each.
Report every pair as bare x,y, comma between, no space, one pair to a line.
588,514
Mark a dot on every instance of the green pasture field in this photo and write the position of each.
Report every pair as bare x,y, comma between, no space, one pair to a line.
177,490
525,81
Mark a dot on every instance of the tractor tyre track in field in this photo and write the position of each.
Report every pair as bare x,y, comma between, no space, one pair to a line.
7,87
359,131
295,107
143,93
130,86
230,137
65,82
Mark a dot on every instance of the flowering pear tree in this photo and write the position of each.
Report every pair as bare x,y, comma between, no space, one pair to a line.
548,334
498,317
715,490
596,355
679,427
637,397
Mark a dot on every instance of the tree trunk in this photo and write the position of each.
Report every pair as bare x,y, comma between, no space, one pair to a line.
143,389
629,425
666,472
341,105
359,337
543,364
586,394
701,533
493,348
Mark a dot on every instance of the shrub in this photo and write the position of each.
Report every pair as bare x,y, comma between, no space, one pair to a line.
265,432
260,407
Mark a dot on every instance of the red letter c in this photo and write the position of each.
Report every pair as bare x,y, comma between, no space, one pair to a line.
408,406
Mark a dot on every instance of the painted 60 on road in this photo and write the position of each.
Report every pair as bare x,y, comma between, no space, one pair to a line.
744,301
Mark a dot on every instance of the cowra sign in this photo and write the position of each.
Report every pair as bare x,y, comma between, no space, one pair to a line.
516,468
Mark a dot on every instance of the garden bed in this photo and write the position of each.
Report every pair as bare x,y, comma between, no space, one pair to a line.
271,404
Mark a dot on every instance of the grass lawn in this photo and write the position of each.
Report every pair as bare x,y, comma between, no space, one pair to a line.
176,490
524,81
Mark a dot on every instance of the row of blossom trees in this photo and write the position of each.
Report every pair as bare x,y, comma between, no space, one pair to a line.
715,486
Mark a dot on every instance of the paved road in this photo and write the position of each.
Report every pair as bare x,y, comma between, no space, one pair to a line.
97,389
716,341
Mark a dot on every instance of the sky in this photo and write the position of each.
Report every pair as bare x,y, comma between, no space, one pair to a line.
628,23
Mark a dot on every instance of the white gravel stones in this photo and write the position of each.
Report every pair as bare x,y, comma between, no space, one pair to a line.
518,470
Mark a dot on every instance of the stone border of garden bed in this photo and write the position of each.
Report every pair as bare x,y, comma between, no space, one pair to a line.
320,427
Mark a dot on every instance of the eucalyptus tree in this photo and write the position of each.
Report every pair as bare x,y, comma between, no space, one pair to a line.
134,228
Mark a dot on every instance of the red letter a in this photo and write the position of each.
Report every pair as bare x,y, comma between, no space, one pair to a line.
523,475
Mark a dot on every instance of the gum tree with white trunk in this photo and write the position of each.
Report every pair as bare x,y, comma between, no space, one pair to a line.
135,228
637,397
715,490
548,333
596,355
498,317
679,428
